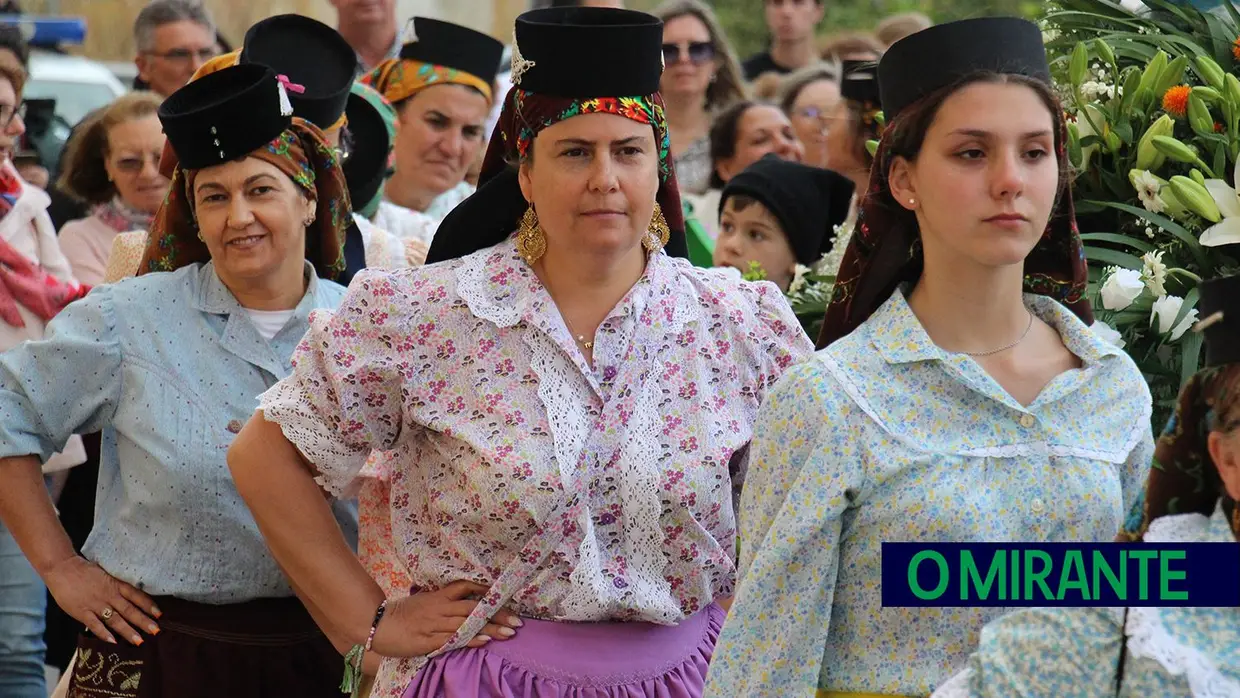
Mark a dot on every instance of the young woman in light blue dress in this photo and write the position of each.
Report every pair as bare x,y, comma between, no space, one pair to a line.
961,396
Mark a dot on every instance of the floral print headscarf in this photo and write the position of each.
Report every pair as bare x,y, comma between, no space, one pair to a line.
299,152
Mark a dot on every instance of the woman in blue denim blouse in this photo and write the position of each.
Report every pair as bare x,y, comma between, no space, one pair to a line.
168,366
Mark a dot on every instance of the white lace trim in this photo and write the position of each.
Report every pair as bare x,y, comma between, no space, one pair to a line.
1148,639
337,467
955,687
1181,528
473,285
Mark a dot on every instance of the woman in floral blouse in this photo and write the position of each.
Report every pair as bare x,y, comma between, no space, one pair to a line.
961,396
565,411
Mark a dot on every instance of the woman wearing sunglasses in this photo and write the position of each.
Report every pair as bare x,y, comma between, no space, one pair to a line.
112,164
701,77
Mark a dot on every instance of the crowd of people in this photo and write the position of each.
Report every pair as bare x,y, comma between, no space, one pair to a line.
376,362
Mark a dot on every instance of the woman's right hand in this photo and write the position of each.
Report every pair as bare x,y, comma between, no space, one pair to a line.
422,623
88,593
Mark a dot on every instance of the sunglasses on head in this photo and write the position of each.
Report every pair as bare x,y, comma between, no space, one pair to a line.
697,52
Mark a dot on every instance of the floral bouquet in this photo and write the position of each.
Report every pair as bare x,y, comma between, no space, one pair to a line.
1153,103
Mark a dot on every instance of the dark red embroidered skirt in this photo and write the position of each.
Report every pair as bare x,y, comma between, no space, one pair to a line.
256,649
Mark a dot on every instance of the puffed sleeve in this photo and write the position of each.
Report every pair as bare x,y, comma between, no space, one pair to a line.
1043,653
779,343
67,383
344,396
806,471
783,343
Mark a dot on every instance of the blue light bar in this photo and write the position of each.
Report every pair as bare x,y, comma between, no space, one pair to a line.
48,31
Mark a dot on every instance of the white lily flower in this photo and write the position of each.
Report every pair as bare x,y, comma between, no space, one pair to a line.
1121,288
1226,231
1154,272
1107,333
1165,310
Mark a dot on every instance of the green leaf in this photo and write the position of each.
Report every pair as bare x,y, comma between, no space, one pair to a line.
1167,224
1123,259
1220,156
1190,355
1190,302
1123,129
1119,239
1235,16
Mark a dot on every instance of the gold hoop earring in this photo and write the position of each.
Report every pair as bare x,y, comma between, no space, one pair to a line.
658,233
531,241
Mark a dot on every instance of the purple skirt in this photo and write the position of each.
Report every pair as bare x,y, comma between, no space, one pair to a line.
580,660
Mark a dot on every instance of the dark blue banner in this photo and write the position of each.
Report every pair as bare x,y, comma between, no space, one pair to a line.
1061,574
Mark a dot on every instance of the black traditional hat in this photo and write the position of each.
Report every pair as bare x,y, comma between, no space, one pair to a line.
313,56
807,201
453,46
367,165
224,116
859,82
1219,310
937,57
551,48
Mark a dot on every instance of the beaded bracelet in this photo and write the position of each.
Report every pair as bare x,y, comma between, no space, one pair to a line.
352,682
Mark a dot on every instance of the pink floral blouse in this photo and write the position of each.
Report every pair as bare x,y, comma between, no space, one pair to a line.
576,493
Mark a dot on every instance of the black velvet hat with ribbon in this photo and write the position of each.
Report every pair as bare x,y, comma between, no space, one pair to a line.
807,201
224,116
453,46
1219,310
938,57
318,62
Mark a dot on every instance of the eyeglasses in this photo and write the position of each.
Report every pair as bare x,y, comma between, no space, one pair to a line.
697,52
181,55
133,163
7,112
812,113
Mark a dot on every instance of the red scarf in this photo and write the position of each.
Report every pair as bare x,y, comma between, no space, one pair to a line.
21,280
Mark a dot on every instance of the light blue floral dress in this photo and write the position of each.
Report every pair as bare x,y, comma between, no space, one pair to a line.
1074,652
885,437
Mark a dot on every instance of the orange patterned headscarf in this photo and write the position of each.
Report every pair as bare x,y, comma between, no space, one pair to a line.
398,79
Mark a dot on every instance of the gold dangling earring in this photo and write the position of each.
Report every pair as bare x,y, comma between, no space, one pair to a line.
531,242
658,233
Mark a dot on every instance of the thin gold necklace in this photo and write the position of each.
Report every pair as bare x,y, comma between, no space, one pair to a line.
1006,346
581,338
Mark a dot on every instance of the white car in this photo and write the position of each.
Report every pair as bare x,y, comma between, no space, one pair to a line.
79,85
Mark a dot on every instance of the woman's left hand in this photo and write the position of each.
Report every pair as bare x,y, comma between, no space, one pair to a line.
100,601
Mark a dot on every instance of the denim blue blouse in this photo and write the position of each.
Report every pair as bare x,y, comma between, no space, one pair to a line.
169,367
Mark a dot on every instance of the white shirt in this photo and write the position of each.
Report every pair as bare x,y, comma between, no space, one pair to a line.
269,322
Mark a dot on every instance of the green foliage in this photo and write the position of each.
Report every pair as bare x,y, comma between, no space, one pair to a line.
1155,105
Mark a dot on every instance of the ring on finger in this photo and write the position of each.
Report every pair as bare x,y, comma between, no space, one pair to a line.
107,613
